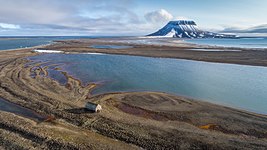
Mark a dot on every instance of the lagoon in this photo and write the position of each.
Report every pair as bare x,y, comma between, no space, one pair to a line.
238,86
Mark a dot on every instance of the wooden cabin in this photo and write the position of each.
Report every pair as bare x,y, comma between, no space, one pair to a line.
93,107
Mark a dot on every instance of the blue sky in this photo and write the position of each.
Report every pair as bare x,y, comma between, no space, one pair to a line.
216,14
128,17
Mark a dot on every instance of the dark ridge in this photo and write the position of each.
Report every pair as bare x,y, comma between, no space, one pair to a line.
182,22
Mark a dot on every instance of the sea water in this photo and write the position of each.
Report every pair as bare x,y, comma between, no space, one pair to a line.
7,43
239,42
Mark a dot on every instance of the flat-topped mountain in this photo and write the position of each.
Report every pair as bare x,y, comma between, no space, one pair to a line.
187,29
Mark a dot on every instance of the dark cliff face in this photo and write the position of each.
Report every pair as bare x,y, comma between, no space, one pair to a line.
186,29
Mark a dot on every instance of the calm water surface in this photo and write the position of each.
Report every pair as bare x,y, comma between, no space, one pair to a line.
238,86
16,109
26,41
242,42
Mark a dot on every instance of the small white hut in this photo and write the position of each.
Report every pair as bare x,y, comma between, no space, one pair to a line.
93,107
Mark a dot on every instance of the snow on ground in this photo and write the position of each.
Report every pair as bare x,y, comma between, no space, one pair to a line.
94,53
55,51
47,51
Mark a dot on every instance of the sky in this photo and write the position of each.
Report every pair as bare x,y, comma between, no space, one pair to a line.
128,17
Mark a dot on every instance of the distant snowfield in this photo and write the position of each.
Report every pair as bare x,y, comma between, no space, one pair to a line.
213,50
94,53
47,51
56,51
154,37
153,40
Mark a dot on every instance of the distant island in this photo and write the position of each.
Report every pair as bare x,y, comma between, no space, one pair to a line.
187,29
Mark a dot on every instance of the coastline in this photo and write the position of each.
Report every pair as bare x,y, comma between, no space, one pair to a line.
242,56
132,120
184,50
94,85
68,77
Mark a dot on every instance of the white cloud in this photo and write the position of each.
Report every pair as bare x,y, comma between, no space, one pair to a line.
158,16
181,18
67,17
9,26
157,19
259,29
111,17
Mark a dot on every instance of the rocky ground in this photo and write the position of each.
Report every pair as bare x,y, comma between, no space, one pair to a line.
143,120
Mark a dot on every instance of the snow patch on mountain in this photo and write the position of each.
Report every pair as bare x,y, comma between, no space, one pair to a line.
171,34
187,29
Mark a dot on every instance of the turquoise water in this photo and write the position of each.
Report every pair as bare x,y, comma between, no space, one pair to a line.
22,43
242,42
238,86
16,109
25,41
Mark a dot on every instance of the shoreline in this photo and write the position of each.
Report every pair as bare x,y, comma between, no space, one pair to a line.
166,57
242,57
30,49
95,85
129,120
182,51
27,48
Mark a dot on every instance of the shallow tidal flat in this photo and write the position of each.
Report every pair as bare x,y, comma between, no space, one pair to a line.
129,120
